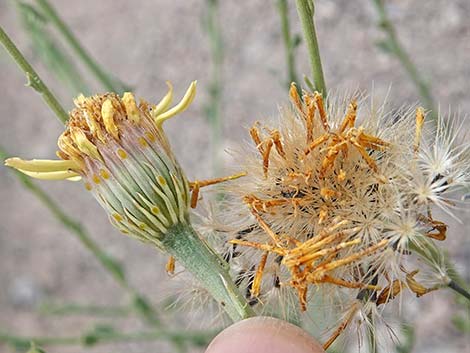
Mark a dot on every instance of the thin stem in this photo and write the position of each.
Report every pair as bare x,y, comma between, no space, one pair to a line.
52,54
394,46
289,44
459,289
371,336
33,78
113,267
306,11
188,248
214,106
196,338
108,83
78,309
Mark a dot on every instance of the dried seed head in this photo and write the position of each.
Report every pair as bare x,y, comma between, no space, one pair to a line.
331,203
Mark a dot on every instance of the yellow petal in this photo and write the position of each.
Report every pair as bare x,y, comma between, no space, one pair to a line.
107,112
83,144
41,165
64,175
163,105
180,107
132,110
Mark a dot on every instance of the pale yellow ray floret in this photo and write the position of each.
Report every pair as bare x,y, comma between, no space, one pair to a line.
45,169
163,105
179,108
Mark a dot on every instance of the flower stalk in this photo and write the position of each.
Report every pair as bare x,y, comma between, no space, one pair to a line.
188,248
108,82
34,80
306,11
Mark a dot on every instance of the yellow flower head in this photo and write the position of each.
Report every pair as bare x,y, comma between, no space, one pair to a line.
121,151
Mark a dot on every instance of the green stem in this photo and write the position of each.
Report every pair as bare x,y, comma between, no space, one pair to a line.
196,338
79,50
78,309
33,78
306,11
396,48
289,44
188,248
371,336
214,106
113,267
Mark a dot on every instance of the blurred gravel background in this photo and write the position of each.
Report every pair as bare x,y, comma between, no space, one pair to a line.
147,42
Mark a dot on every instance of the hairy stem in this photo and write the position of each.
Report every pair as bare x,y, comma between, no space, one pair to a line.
289,44
394,46
109,83
306,11
188,248
33,78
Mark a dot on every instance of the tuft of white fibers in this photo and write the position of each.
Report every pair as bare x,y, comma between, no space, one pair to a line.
338,204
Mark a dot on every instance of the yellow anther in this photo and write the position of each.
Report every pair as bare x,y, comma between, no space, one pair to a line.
419,127
88,186
96,179
170,265
155,210
163,105
107,112
41,165
132,110
121,153
180,107
83,144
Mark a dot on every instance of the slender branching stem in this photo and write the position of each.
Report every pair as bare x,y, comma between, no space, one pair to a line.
85,310
113,267
306,11
214,106
394,46
195,338
289,44
106,80
32,76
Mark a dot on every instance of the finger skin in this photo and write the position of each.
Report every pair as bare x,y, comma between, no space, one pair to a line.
264,335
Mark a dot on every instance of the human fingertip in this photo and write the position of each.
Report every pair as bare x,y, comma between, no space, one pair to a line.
264,335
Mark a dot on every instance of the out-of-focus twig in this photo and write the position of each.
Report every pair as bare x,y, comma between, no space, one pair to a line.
214,106
53,56
79,309
110,84
114,268
306,11
106,334
290,43
393,46
34,80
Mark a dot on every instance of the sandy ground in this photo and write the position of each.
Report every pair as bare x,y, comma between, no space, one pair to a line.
148,42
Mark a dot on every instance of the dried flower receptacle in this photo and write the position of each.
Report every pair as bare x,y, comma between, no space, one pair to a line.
332,206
